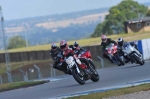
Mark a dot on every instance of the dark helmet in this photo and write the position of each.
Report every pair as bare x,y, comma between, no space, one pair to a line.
53,46
76,44
63,45
120,41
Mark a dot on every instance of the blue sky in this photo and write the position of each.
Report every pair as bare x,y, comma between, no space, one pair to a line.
17,9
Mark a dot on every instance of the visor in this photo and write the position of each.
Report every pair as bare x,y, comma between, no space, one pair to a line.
63,46
104,40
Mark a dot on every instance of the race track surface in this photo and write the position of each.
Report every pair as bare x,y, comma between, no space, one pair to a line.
108,77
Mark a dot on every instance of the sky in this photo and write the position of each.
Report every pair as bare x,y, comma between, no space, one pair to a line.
18,9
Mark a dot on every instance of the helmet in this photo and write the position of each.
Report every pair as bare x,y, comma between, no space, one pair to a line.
63,45
76,44
53,46
120,41
104,38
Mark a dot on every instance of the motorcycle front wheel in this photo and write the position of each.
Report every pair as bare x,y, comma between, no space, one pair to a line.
79,77
137,59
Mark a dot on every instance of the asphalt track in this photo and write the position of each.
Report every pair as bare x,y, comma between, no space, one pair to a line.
109,77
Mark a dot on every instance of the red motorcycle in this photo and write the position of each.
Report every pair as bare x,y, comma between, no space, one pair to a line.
111,52
79,68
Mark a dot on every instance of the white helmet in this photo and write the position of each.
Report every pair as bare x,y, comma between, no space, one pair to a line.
120,41
53,46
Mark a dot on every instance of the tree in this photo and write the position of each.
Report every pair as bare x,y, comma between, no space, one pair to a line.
16,42
97,30
148,13
126,10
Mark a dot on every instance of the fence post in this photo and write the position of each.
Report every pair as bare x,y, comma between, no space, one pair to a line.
102,61
38,70
23,74
1,80
26,76
9,77
53,71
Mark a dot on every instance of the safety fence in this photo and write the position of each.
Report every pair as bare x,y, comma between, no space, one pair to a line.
144,47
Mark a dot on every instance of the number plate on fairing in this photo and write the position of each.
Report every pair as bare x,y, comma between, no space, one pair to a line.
70,61
71,64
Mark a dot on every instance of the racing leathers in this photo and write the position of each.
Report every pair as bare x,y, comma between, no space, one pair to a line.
104,45
78,50
54,55
70,51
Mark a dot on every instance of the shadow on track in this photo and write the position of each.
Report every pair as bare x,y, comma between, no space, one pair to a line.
132,66
77,85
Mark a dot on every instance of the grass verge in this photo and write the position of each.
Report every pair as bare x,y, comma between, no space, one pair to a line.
117,92
16,85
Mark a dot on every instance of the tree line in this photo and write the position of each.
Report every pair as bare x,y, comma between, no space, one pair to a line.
114,21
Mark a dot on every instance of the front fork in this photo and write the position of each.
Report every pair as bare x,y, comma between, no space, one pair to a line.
79,63
139,54
82,66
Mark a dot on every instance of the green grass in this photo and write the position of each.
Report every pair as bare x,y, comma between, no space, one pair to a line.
86,42
16,85
100,95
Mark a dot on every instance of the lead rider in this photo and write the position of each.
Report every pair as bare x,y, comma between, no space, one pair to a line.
69,51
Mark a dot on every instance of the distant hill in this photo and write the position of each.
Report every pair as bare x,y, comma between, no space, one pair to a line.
56,17
53,28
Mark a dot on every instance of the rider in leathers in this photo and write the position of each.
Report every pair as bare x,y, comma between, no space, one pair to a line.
77,48
105,42
55,50
121,43
69,51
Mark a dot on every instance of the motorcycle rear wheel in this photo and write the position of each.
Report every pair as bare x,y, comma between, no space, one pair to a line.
95,77
91,62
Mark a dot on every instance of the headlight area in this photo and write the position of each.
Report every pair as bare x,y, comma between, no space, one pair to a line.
68,61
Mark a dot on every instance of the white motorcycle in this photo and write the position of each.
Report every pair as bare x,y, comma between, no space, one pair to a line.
81,73
133,54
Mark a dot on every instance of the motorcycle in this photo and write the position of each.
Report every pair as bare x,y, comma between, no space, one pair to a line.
80,71
133,54
112,53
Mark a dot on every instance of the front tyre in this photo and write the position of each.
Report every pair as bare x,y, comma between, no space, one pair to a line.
78,77
138,60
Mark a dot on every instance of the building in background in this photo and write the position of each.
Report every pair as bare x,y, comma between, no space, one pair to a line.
137,25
